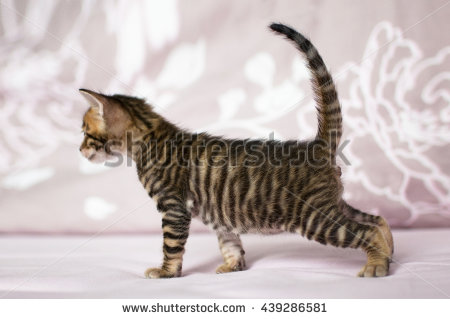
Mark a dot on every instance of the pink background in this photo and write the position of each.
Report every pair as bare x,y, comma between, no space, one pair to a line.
213,65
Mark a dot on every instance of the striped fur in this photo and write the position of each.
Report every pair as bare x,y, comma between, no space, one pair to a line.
239,186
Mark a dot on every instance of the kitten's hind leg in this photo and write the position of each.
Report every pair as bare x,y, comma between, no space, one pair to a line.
233,254
330,225
368,219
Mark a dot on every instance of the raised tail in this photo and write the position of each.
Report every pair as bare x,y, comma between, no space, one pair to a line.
328,106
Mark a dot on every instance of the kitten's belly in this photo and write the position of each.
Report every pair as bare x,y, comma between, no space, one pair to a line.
213,224
237,230
265,231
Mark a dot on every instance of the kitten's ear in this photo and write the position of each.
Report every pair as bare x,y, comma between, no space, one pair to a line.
95,100
116,119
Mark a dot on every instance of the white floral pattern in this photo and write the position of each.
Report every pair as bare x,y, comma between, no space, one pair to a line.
411,133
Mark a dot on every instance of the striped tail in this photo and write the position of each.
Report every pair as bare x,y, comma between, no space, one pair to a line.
328,106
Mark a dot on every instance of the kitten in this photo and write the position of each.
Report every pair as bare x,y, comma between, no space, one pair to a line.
239,186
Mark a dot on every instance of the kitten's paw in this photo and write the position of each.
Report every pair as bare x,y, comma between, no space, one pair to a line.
374,270
155,273
237,265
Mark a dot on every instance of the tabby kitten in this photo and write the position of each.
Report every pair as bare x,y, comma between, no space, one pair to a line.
239,186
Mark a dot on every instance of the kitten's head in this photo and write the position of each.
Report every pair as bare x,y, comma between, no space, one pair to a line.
105,124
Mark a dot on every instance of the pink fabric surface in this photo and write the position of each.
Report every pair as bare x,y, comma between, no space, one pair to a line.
214,66
278,267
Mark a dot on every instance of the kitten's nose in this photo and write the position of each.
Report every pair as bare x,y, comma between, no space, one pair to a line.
87,152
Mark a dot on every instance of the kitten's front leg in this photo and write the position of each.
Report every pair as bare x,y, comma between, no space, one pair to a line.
175,224
233,254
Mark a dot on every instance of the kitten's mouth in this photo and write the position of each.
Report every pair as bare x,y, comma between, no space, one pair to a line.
91,157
